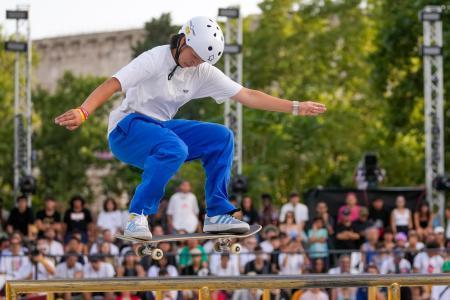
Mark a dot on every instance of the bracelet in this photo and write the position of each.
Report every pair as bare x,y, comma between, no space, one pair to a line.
295,108
84,111
83,117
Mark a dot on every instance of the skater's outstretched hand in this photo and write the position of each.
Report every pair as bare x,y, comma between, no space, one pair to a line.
310,108
71,119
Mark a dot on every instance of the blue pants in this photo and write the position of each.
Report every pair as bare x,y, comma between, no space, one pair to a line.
160,148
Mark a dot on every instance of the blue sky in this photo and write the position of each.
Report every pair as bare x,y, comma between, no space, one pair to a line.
64,17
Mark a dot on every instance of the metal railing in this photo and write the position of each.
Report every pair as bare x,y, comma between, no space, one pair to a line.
205,285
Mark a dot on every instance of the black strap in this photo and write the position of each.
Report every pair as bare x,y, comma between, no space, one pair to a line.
177,55
443,292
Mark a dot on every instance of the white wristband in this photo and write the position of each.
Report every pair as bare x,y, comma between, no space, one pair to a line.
295,108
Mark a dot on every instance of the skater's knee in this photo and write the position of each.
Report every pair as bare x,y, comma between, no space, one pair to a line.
175,150
223,133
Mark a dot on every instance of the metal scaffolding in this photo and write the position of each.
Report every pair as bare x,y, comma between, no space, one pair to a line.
22,96
233,69
434,103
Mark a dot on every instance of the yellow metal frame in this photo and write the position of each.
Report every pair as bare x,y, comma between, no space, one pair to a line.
205,285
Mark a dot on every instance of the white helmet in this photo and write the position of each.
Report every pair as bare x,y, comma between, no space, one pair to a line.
205,37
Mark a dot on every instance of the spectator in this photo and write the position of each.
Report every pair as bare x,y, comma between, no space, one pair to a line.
291,228
351,204
21,217
413,246
346,235
77,218
162,264
429,261
300,210
369,248
108,238
197,268
130,266
292,260
322,212
361,224
379,214
4,215
43,267
110,217
440,237
247,252
14,263
318,266
401,220
317,239
388,239
423,219
183,210
363,292
249,213
268,233
48,217
70,268
441,292
225,267
185,253
400,241
54,247
74,245
396,264
269,214
314,294
344,266
259,265
97,268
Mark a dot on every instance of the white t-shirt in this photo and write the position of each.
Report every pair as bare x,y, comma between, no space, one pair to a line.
106,270
111,220
62,271
309,295
153,271
183,208
294,265
428,265
440,292
300,211
388,266
149,92
42,273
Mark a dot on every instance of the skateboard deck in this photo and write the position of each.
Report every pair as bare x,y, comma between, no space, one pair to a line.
223,241
191,236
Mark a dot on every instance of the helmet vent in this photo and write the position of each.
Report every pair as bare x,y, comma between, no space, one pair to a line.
219,53
208,25
215,34
210,48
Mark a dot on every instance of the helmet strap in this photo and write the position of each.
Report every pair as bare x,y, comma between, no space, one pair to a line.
177,56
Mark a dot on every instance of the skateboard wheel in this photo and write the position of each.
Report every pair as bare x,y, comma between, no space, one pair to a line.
157,254
217,247
141,251
236,248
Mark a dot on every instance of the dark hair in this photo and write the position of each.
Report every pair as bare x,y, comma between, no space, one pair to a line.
294,194
105,203
47,198
75,198
175,40
266,196
20,197
422,204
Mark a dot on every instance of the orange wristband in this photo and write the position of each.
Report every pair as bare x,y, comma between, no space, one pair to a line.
83,118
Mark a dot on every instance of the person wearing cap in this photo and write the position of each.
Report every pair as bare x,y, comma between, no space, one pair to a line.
439,233
142,131
347,236
441,292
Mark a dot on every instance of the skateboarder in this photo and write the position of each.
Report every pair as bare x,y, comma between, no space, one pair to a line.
142,133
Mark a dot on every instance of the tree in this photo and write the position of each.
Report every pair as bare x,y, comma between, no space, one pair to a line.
64,156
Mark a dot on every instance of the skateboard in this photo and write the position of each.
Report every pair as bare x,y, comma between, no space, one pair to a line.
223,241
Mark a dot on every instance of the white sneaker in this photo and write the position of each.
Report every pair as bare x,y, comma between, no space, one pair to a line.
137,227
224,224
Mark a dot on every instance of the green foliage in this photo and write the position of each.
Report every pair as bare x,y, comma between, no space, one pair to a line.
6,121
64,156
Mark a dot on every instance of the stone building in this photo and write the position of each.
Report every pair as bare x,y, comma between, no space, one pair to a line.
98,54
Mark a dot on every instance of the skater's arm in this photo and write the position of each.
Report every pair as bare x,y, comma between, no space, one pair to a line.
72,119
259,100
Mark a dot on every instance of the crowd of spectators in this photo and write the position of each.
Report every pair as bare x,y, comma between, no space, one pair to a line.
356,239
